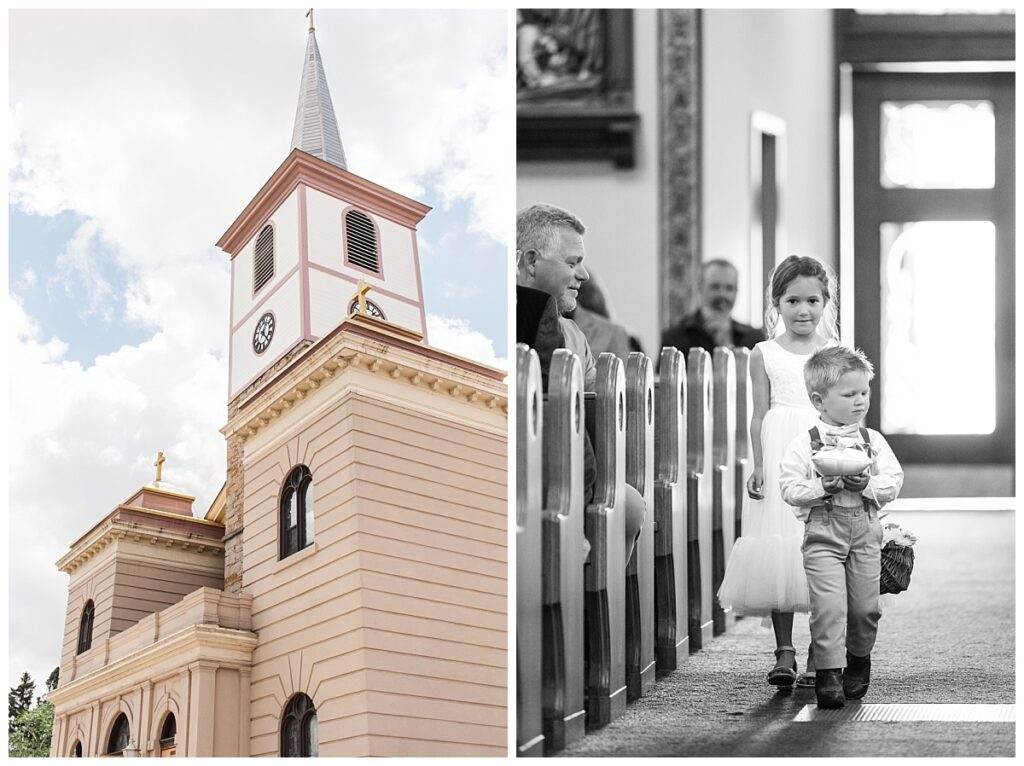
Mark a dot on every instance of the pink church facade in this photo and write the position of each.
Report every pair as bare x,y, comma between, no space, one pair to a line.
346,593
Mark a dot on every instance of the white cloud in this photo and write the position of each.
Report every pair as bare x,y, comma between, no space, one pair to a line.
82,440
456,336
163,144
461,290
26,280
80,273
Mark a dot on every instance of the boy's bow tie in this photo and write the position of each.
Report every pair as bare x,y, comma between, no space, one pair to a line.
841,435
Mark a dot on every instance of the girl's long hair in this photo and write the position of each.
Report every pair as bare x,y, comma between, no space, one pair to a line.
783,274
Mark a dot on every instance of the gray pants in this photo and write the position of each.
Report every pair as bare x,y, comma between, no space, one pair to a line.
842,559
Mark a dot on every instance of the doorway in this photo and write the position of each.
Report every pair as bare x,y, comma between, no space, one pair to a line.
933,199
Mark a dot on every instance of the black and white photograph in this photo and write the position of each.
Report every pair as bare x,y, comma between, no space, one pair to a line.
765,325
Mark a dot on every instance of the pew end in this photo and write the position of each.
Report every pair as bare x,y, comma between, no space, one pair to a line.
671,600
700,500
529,604
563,554
723,367
640,623
605,582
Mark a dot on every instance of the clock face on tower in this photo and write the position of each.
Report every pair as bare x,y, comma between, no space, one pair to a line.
371,308
264,333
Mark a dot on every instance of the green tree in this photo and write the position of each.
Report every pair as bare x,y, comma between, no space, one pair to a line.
51,682
31,731
19,699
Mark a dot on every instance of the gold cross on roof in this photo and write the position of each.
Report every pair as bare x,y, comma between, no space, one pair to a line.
362,288
160,459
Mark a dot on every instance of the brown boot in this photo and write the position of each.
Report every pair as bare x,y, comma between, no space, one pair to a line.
828,688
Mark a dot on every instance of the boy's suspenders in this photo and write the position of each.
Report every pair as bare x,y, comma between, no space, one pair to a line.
817,444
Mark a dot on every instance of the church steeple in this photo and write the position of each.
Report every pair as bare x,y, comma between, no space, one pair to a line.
316,129
310,238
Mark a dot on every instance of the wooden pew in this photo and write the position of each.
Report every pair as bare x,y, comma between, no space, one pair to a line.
563,554
529,604
672,639
640,662
699,401
744,409
605,529
723,528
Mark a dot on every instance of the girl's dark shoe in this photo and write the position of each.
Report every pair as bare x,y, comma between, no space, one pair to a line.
856,677
782,674
828,688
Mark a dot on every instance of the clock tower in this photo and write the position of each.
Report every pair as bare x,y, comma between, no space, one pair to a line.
309,238
365,510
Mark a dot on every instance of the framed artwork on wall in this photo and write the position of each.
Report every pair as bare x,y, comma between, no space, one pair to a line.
574,85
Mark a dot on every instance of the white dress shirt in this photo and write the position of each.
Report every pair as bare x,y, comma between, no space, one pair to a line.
801,486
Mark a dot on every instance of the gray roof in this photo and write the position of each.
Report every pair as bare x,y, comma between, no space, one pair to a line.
316,129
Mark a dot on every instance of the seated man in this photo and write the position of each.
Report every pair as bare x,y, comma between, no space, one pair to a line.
712,324
549,257
538,326
550,254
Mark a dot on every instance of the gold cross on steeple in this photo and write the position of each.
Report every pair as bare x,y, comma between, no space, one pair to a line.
362,288
159,464
309,15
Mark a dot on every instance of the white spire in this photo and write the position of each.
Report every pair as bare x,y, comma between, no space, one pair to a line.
316,129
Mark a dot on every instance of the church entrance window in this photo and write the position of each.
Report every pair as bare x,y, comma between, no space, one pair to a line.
927,235
934,267
299,736
296,511
120,735
85,627
168,734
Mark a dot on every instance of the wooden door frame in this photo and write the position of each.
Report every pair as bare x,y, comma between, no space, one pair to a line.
866,213
766,201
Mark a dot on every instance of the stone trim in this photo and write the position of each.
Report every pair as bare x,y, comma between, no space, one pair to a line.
212,643
302,168
350,350
679,150
112,529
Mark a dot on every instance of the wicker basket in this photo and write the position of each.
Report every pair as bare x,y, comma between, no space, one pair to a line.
897,566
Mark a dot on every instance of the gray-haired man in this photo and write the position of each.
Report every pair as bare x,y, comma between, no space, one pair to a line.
549,257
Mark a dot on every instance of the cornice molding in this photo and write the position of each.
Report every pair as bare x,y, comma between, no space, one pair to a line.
364,344
195,643
176,495
302,168
112,529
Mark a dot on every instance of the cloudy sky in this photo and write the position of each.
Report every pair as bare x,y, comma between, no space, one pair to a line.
135,138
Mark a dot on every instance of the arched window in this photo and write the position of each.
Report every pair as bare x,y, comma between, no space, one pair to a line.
168,732
76,751
298,728
85,627
120,735
296,511
361,241
263,258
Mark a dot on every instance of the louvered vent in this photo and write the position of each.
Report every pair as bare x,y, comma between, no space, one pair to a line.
362,241
263,260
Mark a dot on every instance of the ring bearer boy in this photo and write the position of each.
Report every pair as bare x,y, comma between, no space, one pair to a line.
837,476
